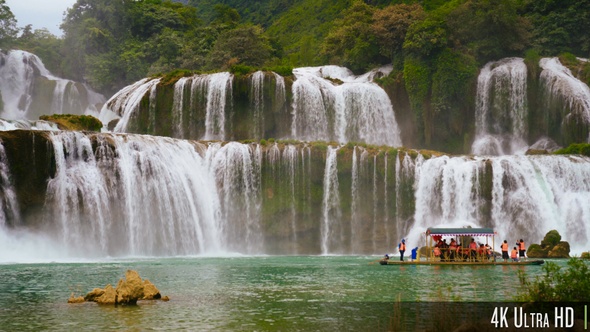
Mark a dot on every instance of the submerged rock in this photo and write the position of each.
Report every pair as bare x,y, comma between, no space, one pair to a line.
74,299
128,292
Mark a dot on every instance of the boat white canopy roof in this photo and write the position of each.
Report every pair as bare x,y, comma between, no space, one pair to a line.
460,231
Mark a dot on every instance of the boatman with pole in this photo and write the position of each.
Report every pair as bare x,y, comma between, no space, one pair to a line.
402,249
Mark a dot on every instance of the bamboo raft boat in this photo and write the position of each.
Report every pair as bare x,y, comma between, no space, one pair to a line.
461,256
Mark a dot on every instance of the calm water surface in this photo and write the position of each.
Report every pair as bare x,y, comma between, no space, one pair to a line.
245,293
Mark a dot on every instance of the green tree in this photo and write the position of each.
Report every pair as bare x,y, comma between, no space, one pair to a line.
390,26
489,29
8,29
45,45
352,42
245,45
557,284
112,43
560,26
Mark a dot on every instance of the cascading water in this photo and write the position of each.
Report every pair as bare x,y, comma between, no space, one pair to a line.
199,106
130,195
25,84
219,84
125,103
9,206
331,234
569,96
236,168
329,103
501,108
257,104
519,196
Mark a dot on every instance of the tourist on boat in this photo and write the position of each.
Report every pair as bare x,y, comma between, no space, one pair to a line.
481,252
505,251
472,249
489,251
514,255
436,251
402,249
452,250
521,249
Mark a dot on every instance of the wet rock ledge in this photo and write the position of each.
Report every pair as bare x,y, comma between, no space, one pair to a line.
127,292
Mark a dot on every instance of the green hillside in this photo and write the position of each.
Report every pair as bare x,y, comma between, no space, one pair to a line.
111,44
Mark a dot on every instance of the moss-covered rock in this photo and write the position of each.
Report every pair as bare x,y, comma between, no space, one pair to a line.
551,239
585,255
561,250
551,247
535,251
74,122
536,152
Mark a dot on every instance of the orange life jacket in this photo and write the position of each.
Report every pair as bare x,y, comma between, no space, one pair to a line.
521,245
402,246
514,253
504,246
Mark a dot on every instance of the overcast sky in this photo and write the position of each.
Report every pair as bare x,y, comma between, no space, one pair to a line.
40,13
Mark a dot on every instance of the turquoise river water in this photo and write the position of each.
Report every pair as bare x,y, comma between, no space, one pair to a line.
307,293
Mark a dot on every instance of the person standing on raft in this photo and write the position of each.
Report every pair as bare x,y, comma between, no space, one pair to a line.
521,249
505,256
402,249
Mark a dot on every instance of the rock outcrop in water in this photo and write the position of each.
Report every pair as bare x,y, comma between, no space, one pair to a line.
550,247
128,292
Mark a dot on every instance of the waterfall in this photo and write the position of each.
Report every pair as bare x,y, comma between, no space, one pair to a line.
9,205
329,103
219,85
207,94
125,103
132,196
290,159
113,195
27,88
570,94
236,168
355,226
501,108
280,92
178,107
330,204
519,196
257,104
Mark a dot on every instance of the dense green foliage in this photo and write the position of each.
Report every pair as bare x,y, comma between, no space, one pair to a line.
576,148
437,44
557,284
8,29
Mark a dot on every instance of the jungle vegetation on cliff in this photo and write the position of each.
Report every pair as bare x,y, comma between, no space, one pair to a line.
111,44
